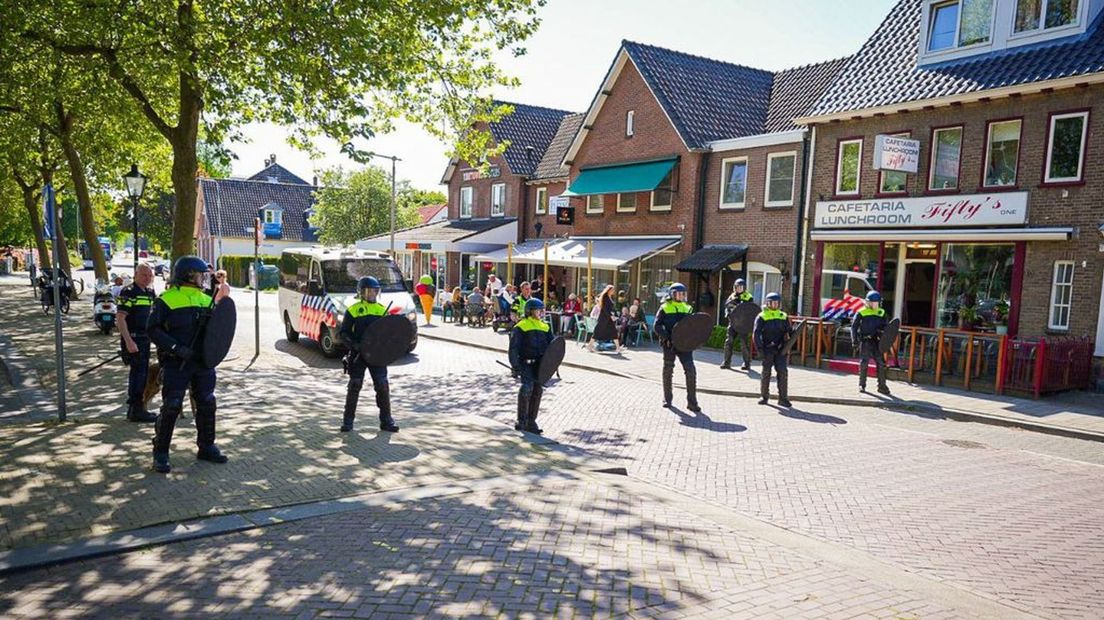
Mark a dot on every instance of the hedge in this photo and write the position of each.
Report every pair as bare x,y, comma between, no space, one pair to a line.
237,267
717,339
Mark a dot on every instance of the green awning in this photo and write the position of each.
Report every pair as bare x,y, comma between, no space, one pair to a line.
621,179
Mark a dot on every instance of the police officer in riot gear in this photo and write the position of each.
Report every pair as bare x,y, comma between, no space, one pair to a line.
673,310
866,332
176,323
772,328
528,342
357,319
738,296
135,302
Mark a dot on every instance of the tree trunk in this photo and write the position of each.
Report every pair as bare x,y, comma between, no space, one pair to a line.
80,184
30,201
185,162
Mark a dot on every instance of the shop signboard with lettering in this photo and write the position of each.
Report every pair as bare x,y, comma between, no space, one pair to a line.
471,174
1001,209
898,154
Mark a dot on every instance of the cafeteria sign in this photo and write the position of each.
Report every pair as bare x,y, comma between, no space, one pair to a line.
493,172
898,154
1003,209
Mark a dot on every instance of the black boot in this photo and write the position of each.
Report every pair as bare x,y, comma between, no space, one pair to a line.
668,376
205,434
524,398
534,409
138,413
383,401
352,395
692,392
162,436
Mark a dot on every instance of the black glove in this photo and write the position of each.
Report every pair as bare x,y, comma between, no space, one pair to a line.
515,372
183,352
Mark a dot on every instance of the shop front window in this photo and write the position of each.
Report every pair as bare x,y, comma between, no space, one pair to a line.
656,275
849,272
975,286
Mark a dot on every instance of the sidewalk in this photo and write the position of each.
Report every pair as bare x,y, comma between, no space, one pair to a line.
1076,414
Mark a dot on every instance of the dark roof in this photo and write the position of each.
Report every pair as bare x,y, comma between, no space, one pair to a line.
885,70
796,90
231,204
449,230
712,258
280,173
551,165
526,126
706,99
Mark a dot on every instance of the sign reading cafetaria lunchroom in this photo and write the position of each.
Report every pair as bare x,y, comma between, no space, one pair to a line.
1004,209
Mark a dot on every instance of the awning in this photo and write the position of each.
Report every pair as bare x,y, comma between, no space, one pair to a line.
447,236
621,178
713,258
608,252
977,235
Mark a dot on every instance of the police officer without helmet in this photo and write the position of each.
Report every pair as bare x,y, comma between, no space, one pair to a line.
135,301
357,319
739,295
673,310
772,329
176,323
866,333
528,342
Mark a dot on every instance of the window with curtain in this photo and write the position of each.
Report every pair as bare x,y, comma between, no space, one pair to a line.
595,203
498,200
465,202
1032,15
542,200
946,157
626,203
1002,153
733,183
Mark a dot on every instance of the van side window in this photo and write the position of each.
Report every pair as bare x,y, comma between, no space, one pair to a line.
289,272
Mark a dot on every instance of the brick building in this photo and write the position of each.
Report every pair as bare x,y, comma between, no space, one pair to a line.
999,225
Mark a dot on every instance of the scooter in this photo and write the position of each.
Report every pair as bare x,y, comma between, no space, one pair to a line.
104,308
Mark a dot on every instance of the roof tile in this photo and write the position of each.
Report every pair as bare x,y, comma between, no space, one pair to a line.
526,126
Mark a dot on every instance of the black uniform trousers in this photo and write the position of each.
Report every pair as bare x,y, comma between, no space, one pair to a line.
379,383
868,350
177,380
745,346
773,359
529,393
686,358
139,371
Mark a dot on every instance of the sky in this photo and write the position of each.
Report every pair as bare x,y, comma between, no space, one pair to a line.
569,55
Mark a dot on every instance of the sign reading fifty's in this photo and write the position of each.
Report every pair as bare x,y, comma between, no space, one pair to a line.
1003,209
471,174
899,154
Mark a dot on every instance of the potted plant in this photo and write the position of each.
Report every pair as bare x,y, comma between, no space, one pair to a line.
1000,317
967,316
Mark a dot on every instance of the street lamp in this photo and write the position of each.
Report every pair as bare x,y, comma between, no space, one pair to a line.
136,186
393,160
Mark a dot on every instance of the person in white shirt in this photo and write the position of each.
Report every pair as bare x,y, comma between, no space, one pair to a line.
494,285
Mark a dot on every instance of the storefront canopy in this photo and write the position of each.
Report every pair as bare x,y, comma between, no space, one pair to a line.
713,258
622,178
607,252
448,236
977,235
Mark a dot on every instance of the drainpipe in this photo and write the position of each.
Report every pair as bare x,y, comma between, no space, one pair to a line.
699,225
808,157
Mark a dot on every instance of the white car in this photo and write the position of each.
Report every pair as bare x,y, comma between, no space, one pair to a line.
318,284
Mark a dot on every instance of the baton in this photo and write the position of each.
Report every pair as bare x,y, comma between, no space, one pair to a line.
110,359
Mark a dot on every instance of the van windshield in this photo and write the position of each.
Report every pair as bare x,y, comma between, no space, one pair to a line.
340,276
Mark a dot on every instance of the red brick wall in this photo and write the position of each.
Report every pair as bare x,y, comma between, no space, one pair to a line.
549,226
481,195
654,136
1081,206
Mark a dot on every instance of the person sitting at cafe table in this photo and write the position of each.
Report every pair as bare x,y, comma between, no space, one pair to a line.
571,311
476,307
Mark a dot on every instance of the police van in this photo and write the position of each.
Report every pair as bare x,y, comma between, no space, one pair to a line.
317,285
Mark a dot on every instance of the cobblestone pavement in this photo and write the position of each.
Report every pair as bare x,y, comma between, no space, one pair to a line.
582,549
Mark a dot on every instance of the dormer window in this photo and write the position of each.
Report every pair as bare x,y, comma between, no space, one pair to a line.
956,29
959,23
273,214
1032,15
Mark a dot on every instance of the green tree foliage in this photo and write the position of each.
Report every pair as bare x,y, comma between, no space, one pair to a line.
409,197
343,69
352,206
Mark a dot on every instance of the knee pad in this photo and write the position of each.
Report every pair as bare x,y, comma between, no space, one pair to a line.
205,404
355,384
173,405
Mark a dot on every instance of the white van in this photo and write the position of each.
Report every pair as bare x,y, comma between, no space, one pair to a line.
317,285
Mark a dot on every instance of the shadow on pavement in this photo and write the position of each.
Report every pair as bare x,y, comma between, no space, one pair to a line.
807,416
701,420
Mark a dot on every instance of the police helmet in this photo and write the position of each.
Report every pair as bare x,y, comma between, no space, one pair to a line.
533,304
186,267
677,287
874,296
740,282
774,297
367,282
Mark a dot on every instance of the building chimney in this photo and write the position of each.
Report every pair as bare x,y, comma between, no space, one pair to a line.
272,157
529,153
314,181
266,162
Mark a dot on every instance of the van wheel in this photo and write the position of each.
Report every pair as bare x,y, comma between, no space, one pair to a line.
328,341
413,345
292,335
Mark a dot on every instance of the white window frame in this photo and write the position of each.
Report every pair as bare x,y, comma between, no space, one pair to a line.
1054,305
276,215
469,191
932,158
630,125
541,208
881,173
501,207
839,167
1050,147
989,148
601,203
1042,32
926,26
621,209
736,206
767,202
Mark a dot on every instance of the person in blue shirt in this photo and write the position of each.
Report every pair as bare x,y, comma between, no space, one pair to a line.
355,323
772,329
866,333
529,341
135,302
673,310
